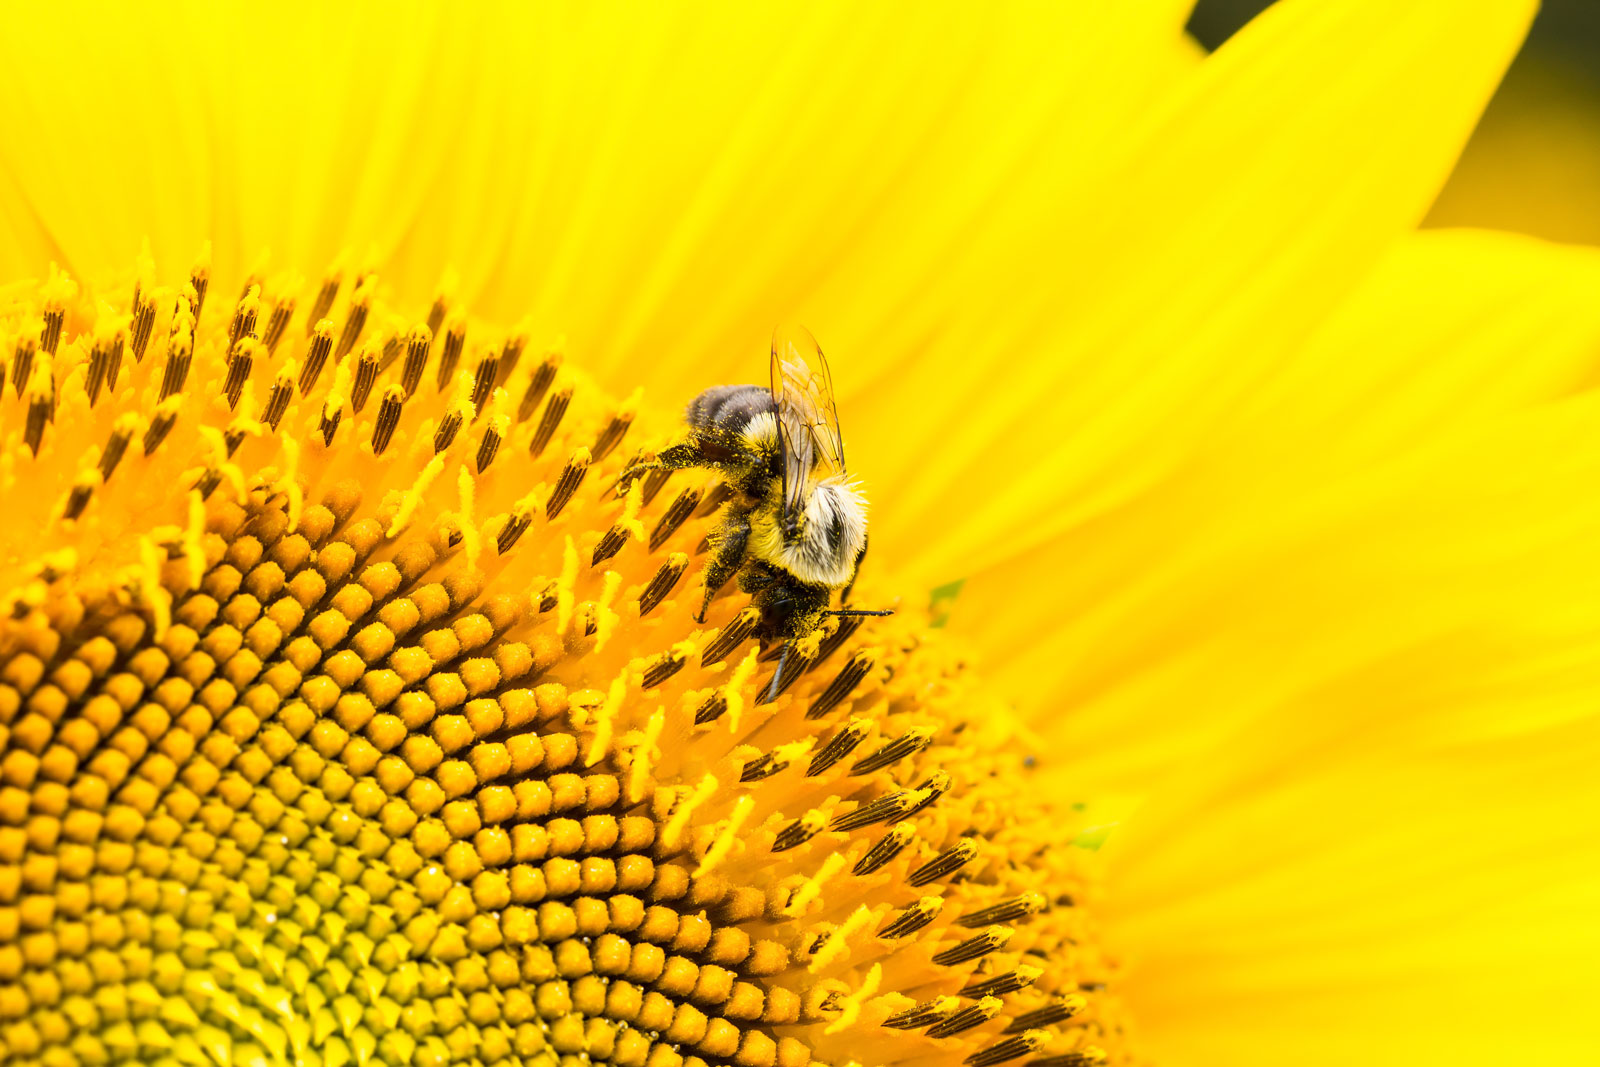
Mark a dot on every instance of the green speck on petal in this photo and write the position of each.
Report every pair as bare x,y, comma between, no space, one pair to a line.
942,600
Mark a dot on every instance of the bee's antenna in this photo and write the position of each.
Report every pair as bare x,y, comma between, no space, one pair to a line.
855,611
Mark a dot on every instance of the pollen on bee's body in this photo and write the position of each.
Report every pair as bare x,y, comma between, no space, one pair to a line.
388,792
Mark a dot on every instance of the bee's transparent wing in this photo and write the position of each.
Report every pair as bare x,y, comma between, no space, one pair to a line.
808,420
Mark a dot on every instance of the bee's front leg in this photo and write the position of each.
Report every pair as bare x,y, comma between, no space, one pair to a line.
731,542
681,456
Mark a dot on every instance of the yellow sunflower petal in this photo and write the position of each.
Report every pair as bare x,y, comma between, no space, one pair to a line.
652,180
1326,539
1319,143
1400,865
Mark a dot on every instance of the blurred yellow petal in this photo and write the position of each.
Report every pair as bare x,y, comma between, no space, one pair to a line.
1321,147
1305,527
1402,858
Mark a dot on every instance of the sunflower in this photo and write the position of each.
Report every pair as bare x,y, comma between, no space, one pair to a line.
354,706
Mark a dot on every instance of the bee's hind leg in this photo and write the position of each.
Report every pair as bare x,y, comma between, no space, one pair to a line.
731,542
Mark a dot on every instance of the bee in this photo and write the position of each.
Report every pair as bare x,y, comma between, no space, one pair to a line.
795,528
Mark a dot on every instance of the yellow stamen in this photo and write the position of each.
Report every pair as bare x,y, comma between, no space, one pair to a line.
812,889
413,496
679,819
643,752
850,1007
566,586
723,843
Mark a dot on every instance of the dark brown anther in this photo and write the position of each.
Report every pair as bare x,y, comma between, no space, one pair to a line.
763,766
572,476
326,294
22,362
946,863
366,375
239,371
844,683
514,528
99,363
114,360
715,497
553,411
1001,984
454,341
714,708
538,385
845,628
937,784
200,281
968,1017
731,637
891,807
179,355
654,482
974,947
244,316
78,498
278,324
388,418
437,313
613,433
355,321
1004,912
510,356
888,847
116,447
609,545
144,322
912,918
662,583
663,667
55,317
1057,1010
446,433
317,352
208,482
488,447
789,670
483,385
418,342
232,438
1009,1049
798,832
329,424
159,427
839,746
905,745
675,515
278,400
38,417
927,1013
392,346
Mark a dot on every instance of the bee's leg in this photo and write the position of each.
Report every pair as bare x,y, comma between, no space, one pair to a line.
681,456
731,543
855,572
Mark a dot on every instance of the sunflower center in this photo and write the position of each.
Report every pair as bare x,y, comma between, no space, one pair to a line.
352,708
